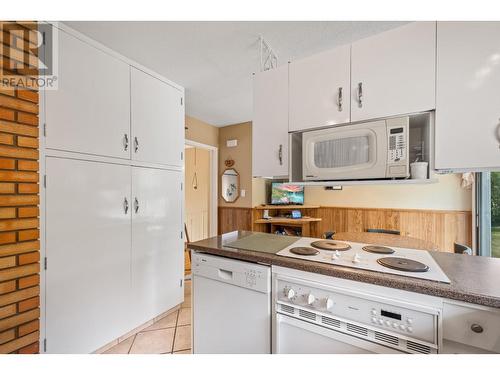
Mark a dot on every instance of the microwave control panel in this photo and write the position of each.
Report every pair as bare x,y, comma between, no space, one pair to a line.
397,143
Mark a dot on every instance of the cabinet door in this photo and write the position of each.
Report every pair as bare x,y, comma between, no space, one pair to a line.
90,110
393,72
157,120
157,246
88,254
270,123
468,103
320,89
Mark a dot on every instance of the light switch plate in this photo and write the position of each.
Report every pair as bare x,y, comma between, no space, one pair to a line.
243,193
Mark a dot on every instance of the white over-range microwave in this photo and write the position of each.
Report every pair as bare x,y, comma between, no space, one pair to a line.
371,150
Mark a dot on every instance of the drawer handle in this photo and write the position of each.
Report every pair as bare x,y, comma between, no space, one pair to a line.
136,205
340,99
360,94
125,205
280,154
125,142
136,144
476,328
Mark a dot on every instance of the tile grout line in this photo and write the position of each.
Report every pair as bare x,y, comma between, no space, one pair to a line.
175,331
131,345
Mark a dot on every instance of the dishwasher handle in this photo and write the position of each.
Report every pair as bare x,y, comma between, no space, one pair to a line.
225,274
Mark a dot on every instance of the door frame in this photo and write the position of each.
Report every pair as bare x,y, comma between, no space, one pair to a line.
213,199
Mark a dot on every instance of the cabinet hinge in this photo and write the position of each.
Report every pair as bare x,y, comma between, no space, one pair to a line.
182,185
182,155
44,180
182,235
181,101
180,284
43,37
45,263
44,129
44,345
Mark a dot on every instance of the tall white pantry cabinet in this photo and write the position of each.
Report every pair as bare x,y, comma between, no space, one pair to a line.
112,224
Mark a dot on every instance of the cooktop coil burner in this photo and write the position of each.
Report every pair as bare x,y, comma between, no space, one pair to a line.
304,250
331,245
403,264
378,249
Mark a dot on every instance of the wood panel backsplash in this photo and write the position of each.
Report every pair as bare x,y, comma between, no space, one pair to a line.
442,228
19,198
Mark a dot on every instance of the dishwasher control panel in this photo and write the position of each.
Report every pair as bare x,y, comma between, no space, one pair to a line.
236,272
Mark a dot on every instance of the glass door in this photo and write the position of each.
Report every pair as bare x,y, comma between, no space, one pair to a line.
488,213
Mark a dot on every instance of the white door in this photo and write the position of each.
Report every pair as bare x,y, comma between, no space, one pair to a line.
468,100
90,110
270,123
320,89
393,73
157,111
88,254
157,246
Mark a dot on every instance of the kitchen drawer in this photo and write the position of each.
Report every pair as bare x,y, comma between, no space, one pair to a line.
472,326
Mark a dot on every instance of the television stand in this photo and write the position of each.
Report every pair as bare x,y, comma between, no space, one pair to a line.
280,220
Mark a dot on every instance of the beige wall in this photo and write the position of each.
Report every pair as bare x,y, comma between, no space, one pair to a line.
201,132
447,194
242,155
197,206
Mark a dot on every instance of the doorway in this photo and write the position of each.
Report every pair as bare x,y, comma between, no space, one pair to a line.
200,193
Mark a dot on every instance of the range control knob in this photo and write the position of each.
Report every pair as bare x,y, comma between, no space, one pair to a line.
310,299
329,303
289,292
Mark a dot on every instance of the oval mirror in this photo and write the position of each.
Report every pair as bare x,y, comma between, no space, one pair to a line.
230,185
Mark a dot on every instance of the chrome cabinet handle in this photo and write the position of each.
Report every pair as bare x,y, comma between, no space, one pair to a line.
136,205
136,144
476,328
125,141
360,94
280,154
339,100
125,205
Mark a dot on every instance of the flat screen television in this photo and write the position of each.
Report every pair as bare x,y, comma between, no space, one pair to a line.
283,193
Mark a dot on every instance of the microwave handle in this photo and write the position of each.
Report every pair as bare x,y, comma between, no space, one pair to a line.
360,94
280,154
339,100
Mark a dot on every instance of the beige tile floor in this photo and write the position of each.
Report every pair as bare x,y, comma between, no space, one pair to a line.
170,335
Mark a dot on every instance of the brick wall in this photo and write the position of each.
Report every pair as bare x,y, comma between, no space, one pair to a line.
19,199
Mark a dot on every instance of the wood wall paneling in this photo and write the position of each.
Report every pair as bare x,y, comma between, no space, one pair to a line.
19,198
234,218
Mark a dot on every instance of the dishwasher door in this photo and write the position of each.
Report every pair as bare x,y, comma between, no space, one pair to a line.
231,306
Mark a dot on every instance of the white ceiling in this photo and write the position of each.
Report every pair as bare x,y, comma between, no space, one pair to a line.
214,61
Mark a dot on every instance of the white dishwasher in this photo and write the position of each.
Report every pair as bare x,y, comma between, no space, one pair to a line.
231,305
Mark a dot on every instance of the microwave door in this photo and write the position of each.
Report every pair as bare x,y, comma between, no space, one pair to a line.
345,153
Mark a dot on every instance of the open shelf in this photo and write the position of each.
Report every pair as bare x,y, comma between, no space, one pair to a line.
285,207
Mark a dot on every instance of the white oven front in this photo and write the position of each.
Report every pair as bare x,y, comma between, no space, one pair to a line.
295,336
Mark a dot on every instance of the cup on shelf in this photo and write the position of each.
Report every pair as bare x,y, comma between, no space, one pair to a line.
418,170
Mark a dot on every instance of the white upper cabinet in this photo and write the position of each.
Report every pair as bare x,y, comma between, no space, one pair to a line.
157,111
468,99
90,110
393,72
320,89
270,123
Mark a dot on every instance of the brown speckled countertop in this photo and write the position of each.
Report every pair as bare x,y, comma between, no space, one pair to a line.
473,279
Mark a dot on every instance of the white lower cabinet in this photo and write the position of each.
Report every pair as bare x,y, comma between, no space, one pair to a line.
88,254
114,250
157,246
470,329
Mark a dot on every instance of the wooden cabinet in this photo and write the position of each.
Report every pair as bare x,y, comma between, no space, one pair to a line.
270,123
157,118
393,73
90,111
470,329
88,254
319,90
157,246
467,102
